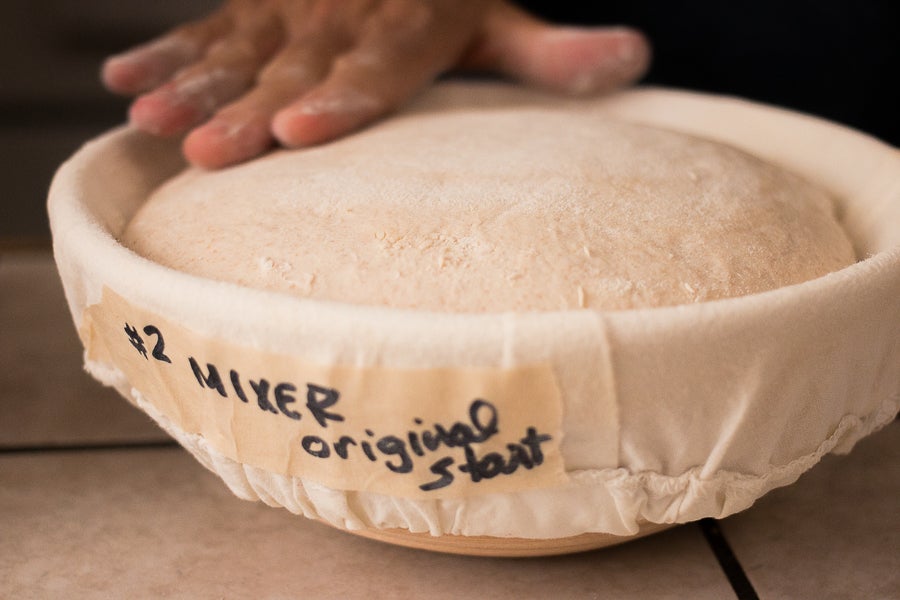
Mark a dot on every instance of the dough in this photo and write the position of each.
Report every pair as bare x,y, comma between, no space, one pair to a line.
520,207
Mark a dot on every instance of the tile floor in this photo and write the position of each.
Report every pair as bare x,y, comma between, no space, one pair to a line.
96,503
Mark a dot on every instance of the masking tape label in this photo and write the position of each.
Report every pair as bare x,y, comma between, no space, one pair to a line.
416,433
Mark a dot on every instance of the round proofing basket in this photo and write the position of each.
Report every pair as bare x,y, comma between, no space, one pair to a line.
668,415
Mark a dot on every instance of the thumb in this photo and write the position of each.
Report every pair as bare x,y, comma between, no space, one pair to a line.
574,60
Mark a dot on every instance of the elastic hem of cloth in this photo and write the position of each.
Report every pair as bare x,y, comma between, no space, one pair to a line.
613,501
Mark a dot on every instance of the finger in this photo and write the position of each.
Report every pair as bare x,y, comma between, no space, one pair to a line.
394,59
242,129
569,59
149,65
228,69
340,105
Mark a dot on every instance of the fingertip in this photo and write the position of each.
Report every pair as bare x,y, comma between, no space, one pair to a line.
122,76
323,116
573,60
297,127
157,114
148,65
589,61
139,70
294,128
200,148
221,143
621,61
635,51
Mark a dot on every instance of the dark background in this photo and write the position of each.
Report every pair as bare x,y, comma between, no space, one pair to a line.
834,58
51,100
837,59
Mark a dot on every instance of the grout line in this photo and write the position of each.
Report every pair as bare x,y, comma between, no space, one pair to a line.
741,585
36,449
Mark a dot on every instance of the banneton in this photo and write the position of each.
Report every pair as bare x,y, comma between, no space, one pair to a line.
656,415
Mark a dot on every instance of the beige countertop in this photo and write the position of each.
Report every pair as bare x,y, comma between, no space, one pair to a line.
96,502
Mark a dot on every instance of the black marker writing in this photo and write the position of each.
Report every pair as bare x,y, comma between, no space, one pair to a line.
211,379
136,340
319,398
276,399
456,447
159,348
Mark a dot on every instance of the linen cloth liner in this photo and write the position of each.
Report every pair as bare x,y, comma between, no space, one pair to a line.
717,402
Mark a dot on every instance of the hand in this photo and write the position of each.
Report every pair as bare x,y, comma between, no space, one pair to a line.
302,72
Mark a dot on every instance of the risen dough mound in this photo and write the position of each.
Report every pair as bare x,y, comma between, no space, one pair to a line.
540,206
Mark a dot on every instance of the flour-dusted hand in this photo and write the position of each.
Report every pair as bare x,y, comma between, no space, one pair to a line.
301,72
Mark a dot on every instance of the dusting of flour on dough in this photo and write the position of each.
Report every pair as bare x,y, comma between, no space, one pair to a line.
533,207
300,281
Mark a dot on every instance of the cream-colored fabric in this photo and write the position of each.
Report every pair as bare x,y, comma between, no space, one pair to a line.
608,500
545,208
715,403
